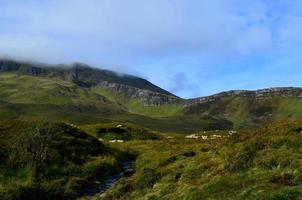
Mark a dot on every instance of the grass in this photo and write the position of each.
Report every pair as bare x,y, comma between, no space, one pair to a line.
263,163
58,99
54,99
135,107
44,90
41,160
290,108
154,111
260,164
120,131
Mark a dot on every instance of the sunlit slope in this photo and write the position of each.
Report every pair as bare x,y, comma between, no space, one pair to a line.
248,112
26,97
80,94
259,164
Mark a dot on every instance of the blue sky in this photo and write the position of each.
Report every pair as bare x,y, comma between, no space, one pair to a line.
189,47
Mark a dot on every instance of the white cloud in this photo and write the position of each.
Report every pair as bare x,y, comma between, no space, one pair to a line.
152,28
135,33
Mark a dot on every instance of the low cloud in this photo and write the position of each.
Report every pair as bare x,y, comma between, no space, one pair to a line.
125,35
122,30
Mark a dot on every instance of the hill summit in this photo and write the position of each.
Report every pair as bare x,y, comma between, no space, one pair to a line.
83,94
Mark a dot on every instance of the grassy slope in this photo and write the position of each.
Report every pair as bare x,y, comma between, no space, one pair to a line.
291,108
80,73
249,113
124,131
29,98
265,111
257,164
43,90
136,107
41,98
260,164
51,160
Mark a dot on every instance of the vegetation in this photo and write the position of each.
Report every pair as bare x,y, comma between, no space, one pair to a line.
125,132
24,97
76,94
42,160
259,164
59,127
55,160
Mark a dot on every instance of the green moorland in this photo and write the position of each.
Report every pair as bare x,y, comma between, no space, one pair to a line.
24,97
40,160
53,98
249,113
265,163
117,131
134,106
74,94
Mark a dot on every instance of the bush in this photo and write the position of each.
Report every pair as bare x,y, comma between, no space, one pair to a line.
148,178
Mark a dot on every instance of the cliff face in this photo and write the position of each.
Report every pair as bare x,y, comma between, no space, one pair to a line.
84,76
137,88
146,97
286,92
249,108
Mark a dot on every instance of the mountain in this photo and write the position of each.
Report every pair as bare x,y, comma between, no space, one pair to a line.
78,93
85,76
83,95
249,108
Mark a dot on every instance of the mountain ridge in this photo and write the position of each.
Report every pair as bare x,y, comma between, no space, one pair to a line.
79,90
35,68
259,93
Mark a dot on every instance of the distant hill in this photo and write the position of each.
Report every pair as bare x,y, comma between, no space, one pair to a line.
249,108
81,94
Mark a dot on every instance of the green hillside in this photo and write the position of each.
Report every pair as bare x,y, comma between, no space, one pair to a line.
81,74
41,160
26,97
262,164
248,112
76,94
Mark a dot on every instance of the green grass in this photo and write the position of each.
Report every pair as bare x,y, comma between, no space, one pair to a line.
264,163
248,112
58,99
259,164
53,99
120,131
43,90
289,108
40,160
135,107
154,111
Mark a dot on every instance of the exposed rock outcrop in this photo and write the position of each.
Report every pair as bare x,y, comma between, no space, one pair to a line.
146,97
136,88
286,92
84,76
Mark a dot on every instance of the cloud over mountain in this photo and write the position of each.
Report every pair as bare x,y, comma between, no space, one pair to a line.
133,35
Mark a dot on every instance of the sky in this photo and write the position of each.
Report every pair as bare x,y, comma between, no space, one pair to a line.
189,47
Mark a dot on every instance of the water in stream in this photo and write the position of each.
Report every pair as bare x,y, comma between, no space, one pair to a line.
110,181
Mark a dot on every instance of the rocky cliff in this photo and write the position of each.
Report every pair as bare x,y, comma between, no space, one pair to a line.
126,85
136,88
146,97
286,92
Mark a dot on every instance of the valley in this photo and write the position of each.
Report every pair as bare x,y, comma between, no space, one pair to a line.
73,131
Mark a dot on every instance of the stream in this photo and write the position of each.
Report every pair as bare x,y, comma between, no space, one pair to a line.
110,181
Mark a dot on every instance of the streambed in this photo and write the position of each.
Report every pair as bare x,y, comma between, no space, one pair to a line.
110,181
